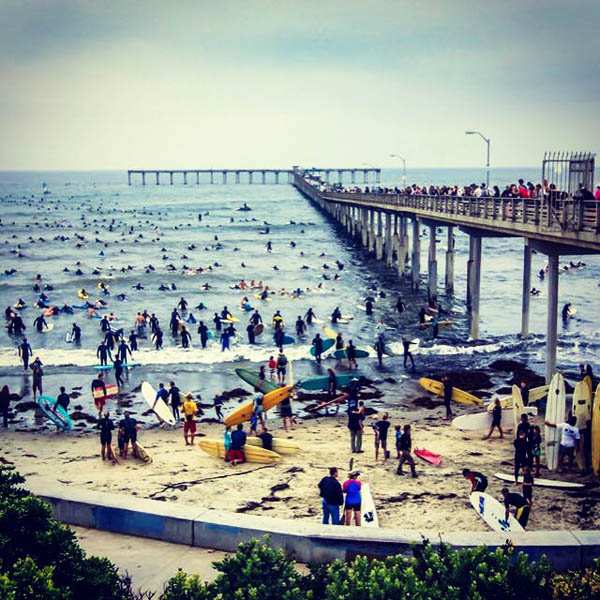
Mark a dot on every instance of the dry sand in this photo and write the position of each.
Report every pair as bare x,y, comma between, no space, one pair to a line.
437,500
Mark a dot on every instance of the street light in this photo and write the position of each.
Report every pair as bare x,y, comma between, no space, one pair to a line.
487,164
403,167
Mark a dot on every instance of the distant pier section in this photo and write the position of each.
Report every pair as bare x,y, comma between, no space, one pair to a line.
261,176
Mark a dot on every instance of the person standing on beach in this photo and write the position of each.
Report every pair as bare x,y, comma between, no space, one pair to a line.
282,362
4,404
351,488
63,400
189,425
175,397
521,453
496,420
406,344
317,344
534,441
218,406
332,496
97,385
355,425
25,353
381,428
447,396
405,452
103,353
106,427
38,374
130,427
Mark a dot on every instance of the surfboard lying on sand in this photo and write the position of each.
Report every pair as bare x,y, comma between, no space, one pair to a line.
428,456
163,412
458,395
253,454
493,513
251,378
142,453
551,483
369,512
244,411
281,446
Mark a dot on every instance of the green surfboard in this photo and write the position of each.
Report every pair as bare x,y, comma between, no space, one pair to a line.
327,344
251,378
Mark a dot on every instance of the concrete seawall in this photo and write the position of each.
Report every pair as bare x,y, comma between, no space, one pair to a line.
306,542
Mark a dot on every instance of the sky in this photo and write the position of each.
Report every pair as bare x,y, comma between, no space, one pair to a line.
102,84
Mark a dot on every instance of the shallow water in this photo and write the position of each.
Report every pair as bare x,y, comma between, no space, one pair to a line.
147,219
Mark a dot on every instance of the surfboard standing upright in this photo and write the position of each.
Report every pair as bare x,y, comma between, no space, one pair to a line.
555,414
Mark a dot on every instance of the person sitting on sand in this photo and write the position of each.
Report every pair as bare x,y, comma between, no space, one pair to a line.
189,425
352,506
238,441
479,481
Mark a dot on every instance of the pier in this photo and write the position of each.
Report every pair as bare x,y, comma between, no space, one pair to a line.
388,225
249,176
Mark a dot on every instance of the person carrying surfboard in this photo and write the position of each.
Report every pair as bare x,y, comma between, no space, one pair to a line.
98,384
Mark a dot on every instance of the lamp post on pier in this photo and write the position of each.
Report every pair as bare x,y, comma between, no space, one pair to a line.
403,167
487,162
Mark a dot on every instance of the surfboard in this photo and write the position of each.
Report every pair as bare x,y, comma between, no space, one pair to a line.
517,409
369,512
111,390
322,383
287,339
493,513
458,395
330,333
251,378
555,413
61,418
317,407
582,404
281,446
328,343
428,456
230,319
596,433
159,407
482,421
359,353
551,483
141,453
588,381
244,411
82,296
258,329
49,327
103,367
253,454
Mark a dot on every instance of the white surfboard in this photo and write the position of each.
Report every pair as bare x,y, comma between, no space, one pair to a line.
551,483
483,420
493,513
369,512
49,327
159,406
555,413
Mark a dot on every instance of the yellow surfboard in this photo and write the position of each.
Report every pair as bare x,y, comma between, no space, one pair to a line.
517,402
460,396
244,411
330,333
253,454
596,433
281,446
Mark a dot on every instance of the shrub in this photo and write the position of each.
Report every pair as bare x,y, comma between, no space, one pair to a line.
577,585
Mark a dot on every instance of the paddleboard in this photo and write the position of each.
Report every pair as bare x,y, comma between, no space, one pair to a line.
428,456
359,353
596,433
111,390
244,411
482,421
369,512
61,418
551,483
281,446
517,409
555,413
258,329
159,407
328,343
253,454
322,383
251,378
460,396
493,513
142,453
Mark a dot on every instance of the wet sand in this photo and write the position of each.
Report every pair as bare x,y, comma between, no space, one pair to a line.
437,500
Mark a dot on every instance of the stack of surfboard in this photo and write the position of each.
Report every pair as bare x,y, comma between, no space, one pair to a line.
252,453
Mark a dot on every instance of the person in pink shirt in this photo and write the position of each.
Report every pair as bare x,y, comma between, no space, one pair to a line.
597,193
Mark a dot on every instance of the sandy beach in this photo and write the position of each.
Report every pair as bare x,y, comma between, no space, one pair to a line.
437,500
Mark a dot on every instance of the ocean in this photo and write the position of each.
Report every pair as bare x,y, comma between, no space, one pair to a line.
87,213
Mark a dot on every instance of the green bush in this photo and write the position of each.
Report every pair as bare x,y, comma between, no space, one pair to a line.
37,552
577,585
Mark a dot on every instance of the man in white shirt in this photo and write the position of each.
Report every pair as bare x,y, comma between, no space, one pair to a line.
569,441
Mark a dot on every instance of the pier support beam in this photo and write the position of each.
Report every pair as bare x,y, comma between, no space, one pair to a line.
171,177
143,178
402,251
449,279
364,227
379,238
551,329
469,270
212,176
416,255
157,177
389,246
526,289
432,265
185,178
371,231
475,284
197,178
128,178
